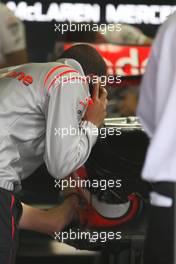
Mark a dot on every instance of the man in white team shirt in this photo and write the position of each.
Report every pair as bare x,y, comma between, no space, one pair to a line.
157,111
12,39
37,101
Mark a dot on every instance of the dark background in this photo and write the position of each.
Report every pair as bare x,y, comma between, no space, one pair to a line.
41,35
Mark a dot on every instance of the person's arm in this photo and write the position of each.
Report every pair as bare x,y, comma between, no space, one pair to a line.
51,220
66,153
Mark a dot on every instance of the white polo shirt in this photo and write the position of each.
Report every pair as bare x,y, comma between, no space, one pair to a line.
41,111
157,106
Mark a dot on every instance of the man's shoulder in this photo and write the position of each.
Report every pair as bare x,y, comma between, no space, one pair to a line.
62,65
50,73
165,37
45,67
36,71
54,67
172,19
38,67
63,71
168,27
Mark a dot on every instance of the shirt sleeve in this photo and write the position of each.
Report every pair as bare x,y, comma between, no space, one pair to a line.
157,106
146,104
12,33
68,141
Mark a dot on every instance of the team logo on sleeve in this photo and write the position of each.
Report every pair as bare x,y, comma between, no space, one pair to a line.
88,101
21,77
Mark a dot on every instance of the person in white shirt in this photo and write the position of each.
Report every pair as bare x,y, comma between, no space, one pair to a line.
40,108
156,110
12,39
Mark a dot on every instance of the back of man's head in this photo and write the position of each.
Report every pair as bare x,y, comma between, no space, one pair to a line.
90,60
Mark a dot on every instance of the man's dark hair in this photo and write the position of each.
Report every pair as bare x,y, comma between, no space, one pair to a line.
90,60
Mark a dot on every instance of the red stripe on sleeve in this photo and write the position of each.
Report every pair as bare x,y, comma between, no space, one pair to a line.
59,75
76,78
53,70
